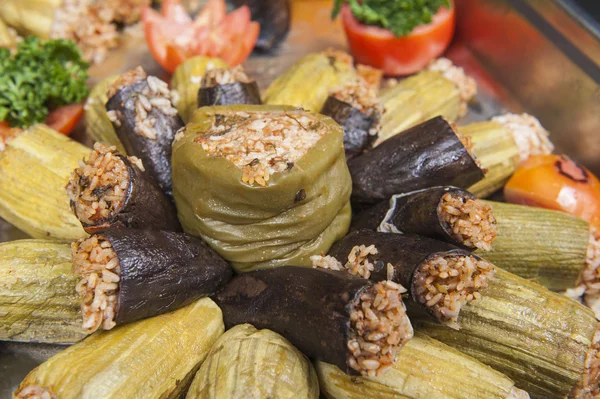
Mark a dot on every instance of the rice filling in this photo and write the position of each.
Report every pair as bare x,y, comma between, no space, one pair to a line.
467,88
98,265
529,135
223,76
154,95
587,387
470,221
363,98
98,187
379,329
262,143
444,284
358,262
34,392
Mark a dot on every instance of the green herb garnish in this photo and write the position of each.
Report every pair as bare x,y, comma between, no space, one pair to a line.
39,76
400,17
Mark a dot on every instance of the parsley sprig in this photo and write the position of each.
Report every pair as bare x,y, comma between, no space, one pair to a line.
401,17
41,75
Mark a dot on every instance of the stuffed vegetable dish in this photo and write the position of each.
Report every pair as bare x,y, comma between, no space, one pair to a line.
239,217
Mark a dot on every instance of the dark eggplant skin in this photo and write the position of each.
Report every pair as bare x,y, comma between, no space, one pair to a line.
274,17
405,252
355,123
414,213
310,307
229,94
163,271
145,207
155,154
427,155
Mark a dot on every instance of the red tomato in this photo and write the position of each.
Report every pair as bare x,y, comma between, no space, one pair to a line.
64,119
173,37
381,49
556,182
6,132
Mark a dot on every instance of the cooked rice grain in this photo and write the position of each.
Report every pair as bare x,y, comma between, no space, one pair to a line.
466,85
471,221
98,187
224,76
98,265
444,284
530,136
358,263
261,144
379,329
362,97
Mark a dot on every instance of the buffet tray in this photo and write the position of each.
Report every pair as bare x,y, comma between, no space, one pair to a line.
523,55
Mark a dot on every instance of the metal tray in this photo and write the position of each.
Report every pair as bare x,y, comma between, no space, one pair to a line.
531,56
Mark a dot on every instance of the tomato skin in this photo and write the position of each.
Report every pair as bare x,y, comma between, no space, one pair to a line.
64,119
379,48
556,182
173,37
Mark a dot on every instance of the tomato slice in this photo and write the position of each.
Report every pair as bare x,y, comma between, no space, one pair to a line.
380,48
173,37
556,182
64,119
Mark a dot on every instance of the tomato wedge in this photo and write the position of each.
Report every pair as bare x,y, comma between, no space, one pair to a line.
380,48
173,36
64,119
556,182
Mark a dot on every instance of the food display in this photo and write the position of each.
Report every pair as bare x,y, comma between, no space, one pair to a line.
238,216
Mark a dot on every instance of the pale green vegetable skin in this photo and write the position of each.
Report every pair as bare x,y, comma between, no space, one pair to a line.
426,369
97,124
149,359
38,302
257,227
251,364
538,338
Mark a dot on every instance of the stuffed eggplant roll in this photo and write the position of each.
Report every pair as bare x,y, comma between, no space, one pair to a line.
448,214
128,275
427,155
265,186
141,110
227,86
111,190
358,110
154,358
439,277
335,317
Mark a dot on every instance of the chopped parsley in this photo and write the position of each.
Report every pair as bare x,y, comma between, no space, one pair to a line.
41,75
400,17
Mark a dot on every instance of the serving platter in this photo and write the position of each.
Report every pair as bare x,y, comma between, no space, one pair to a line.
312,30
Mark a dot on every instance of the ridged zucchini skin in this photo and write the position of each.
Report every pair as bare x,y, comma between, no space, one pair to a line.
416,99
97,125
426,368
35,167
538,338
151,359
496,150
254,364
548,247
38,302
186,82
307,83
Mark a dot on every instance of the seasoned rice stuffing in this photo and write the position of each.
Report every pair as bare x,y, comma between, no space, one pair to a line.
372,76
358,263
444,284
466,85
471,221
97,264
224,76
529,135
262,143
98,187
89,24
34,392
587,387
362,97
340,56
126,11
155,95
379,329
